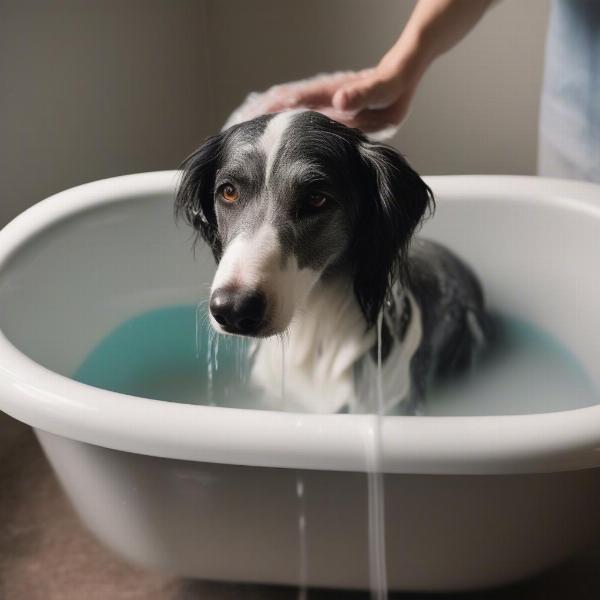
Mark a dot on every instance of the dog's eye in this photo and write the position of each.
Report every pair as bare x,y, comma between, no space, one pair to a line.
317,200
229,193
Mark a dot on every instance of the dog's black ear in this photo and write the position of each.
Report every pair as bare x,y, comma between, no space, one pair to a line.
194,200
395,200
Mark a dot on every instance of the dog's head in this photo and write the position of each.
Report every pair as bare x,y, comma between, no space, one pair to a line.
288,199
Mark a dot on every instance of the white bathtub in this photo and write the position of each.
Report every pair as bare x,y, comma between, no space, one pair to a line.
209,492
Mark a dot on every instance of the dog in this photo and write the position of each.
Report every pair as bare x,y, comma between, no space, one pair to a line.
312,227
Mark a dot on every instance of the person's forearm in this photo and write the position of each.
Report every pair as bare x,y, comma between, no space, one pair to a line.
379,97
434,27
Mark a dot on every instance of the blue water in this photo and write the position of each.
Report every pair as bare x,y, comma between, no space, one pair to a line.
164,355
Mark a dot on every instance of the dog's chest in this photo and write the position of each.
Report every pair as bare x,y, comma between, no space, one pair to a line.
326,363
326,338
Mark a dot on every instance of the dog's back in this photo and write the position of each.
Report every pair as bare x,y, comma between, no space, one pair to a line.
454,321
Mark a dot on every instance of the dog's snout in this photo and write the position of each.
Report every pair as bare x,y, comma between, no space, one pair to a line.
239,312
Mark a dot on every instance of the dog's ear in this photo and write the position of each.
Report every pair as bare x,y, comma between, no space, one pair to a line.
395,200
194,200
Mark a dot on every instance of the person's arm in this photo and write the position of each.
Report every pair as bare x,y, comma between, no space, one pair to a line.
375,98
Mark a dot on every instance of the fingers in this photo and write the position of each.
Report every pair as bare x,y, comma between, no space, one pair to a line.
310,93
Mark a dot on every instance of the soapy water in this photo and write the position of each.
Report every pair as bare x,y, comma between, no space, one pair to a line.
155,356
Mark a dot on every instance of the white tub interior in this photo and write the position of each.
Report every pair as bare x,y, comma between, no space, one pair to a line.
62,292
87,274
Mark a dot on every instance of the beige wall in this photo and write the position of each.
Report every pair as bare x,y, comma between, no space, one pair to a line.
94,89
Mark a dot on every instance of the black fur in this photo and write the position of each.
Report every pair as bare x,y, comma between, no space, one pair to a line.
395,203
194,200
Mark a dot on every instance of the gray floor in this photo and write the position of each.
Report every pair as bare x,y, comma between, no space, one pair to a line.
45,554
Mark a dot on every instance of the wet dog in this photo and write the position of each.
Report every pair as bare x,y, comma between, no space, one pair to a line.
312,226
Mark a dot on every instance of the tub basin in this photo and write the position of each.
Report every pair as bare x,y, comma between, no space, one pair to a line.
209,492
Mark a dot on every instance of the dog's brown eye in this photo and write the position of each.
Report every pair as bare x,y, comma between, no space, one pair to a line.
317,200
229,193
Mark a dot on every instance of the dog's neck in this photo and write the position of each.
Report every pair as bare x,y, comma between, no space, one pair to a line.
326,337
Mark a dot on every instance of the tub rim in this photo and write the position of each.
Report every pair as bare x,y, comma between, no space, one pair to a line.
507,444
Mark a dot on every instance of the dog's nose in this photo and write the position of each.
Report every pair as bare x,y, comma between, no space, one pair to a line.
238,311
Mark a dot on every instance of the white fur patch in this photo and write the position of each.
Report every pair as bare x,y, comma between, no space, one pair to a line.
396,373
326,337
248,260
254,262
270,141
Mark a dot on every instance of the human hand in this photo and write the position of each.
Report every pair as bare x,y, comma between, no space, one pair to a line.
371,100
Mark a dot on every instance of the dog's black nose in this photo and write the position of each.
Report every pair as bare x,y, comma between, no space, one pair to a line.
238,311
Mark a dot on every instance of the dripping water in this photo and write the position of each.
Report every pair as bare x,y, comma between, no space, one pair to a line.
300,500
212,353
241,360
283,400
212,358
199,317
376,492
303,563
375,482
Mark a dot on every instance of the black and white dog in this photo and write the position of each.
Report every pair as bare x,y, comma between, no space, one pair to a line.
311,225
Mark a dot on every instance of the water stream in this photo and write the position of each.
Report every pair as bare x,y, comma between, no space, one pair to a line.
376,490
299,488
302,551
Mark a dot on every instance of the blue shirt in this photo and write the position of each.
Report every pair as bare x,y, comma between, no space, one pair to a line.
569,133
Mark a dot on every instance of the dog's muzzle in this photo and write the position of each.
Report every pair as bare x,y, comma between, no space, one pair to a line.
238,311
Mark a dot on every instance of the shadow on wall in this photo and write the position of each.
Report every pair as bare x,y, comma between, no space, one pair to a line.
96,90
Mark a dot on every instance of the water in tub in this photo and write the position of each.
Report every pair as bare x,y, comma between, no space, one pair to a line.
156,355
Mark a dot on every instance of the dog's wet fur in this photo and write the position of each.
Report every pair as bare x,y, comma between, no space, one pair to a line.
317,242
